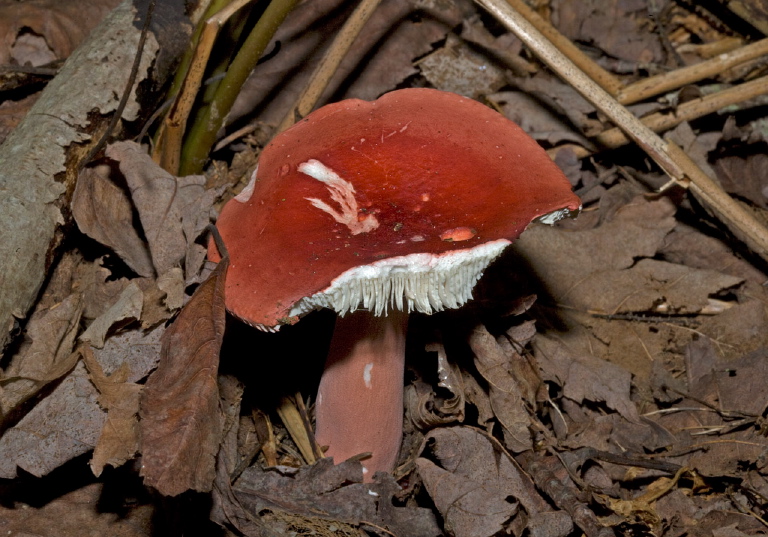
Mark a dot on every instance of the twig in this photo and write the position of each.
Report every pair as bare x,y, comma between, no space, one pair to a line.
687,111
328,65
744,224
128,88
656,85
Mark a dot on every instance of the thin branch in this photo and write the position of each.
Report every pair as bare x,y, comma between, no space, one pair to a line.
656,85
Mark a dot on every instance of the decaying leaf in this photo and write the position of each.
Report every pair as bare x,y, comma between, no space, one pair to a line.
584,377
181,422
103,211
333,492
47,356
173,211
476,489
127,308
63,425
507,399
119,438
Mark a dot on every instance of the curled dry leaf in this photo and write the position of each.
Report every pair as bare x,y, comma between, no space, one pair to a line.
181,421
127,308
476,490
423,407
173,211
103,211
119,438
46,356
63,24
506,396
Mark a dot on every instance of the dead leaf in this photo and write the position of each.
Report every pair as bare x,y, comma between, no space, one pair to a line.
181,422
457,68
63,425
119,440
103,211
584,377
333,492
173,211
47,354
63,24
476,490
127,308
505,394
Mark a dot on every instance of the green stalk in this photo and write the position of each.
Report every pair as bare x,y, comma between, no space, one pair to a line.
202,133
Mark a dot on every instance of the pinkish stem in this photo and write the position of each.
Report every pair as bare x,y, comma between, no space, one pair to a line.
360,399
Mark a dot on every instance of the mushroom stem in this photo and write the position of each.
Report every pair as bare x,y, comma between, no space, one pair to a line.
360,399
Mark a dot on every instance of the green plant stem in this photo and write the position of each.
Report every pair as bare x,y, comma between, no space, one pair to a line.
202,133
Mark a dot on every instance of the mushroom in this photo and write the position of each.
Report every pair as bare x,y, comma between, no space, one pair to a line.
377,209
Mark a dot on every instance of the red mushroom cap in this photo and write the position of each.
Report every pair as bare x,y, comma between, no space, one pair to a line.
397,203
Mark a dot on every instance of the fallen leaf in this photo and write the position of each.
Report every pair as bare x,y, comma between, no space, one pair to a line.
127,308
119,438
333,492
103,211
63,425
505,394
476,490
46,355
457,68
584,377
181,422
173,211
63,24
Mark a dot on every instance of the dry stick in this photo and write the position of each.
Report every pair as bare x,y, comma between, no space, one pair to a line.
655,85
328,65
605,80
168,149
744,224
661,121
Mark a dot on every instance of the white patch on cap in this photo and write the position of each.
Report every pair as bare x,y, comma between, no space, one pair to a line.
343,193
367,375
420,282
554,216
246,193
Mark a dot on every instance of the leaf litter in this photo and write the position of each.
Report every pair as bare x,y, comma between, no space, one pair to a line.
628,398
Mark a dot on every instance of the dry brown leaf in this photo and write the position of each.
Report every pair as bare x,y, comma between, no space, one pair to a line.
181,422
619,28
63,24
333,492
457,68
63,425
46,355
119,438
173,211
506,397
103,211
476,490
584,377
127,308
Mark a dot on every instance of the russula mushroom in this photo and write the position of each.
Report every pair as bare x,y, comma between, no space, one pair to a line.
376,209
